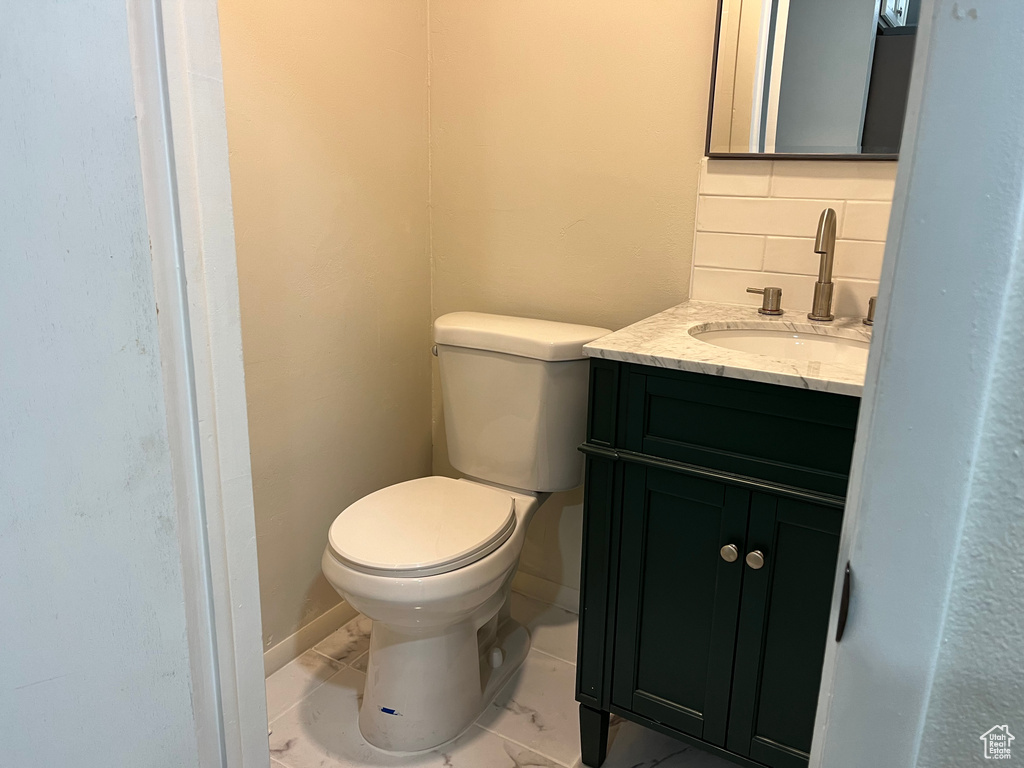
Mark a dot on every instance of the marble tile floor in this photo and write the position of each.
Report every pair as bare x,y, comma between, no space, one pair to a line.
313,705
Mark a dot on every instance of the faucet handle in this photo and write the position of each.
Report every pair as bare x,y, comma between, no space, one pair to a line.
772,302
870,319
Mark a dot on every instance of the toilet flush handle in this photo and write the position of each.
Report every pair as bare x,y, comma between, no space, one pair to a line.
433,350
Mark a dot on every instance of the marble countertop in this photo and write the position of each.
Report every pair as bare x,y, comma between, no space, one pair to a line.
664,340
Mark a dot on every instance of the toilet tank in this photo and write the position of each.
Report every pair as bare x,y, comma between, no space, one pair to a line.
515,398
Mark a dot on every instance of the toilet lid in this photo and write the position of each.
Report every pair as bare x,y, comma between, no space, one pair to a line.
423,527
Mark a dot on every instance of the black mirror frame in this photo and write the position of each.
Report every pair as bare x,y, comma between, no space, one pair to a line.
764,155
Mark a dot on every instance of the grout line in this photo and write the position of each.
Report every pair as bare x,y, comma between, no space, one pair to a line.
347,665
805,199
755,272
849,239
550,655
344,667
502,736
270,723
323,655
835,277
310,692
702,169
841,216
524,746
795,237
806,238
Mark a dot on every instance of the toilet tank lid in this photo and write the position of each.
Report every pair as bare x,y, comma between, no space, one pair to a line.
522,336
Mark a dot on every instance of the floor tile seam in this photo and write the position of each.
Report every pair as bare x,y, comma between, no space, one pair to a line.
551,656
323,655
293,705
313,690
533,749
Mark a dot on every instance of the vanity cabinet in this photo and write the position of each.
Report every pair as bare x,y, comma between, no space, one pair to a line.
713,509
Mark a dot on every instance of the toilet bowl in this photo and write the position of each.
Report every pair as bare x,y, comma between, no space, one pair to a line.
442,643
430,561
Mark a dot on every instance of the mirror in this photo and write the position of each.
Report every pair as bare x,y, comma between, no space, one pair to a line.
811,78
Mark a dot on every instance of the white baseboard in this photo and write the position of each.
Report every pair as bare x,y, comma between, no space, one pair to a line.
547,591
312,633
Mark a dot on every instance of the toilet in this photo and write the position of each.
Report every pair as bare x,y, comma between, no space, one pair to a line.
430,561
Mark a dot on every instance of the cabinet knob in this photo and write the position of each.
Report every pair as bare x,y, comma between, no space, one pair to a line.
729,553
755,559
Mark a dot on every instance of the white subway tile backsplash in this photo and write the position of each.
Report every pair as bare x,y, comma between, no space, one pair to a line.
730,286
846,180
756,221
854,258
713,249
735,177
860,259
865,221
762,216
851,297
794,255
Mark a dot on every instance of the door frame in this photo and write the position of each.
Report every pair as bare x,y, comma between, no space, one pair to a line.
953,263
176,55
179,101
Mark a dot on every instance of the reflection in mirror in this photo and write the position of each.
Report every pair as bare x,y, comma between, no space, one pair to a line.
820,77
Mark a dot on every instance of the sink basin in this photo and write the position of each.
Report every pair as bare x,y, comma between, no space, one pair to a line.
790,342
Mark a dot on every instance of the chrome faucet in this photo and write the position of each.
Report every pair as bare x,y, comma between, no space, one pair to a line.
825,244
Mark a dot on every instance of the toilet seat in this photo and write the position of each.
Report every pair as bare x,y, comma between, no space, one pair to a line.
445,524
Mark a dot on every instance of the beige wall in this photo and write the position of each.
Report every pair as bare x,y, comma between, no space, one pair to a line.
566,138
327,129
566,142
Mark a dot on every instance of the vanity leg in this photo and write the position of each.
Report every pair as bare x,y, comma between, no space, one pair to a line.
593,735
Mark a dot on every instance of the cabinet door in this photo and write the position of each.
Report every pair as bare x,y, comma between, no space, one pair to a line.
678,599
784,614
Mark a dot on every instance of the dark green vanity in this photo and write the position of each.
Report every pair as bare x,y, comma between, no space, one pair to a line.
713,508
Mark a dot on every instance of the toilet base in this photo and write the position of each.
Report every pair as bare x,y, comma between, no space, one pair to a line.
425,689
